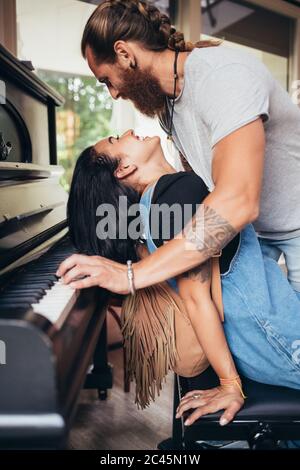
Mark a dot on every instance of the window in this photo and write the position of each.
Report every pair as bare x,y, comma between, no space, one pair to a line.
245,25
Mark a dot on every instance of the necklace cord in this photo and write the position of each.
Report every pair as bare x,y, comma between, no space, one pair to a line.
174,94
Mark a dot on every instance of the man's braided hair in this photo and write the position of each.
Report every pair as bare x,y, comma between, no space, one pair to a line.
132,20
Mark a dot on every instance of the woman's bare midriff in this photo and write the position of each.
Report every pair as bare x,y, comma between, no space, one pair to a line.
191,359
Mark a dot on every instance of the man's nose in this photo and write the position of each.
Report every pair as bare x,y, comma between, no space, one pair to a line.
114,93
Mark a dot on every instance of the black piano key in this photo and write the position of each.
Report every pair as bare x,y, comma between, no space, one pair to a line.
12,305
31,283
19,286
39,293
44,270
22,290
33,277
23,300
23,293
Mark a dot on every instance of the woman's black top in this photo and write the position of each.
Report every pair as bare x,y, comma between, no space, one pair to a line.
184,188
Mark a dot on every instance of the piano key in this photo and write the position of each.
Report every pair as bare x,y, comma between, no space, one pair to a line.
56,303
20,286
42,277
14,304
43,285
30,297
12,298
23,290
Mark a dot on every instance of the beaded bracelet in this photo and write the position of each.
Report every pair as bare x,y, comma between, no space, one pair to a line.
130,277
234,381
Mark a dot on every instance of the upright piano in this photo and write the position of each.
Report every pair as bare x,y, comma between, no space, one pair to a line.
52,337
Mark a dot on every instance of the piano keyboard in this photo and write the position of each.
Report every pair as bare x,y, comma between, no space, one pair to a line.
38,288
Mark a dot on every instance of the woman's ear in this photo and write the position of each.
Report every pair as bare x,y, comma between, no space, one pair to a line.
123,171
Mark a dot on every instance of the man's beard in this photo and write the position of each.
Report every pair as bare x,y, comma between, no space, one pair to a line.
144,90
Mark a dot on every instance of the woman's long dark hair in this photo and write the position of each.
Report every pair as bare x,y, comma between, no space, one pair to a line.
93,184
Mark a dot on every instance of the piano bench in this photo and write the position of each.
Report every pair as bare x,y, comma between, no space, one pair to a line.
270,414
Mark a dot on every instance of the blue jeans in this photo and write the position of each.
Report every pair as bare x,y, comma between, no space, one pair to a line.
291,251
262,316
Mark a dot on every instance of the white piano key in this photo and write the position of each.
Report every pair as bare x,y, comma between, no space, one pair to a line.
56,303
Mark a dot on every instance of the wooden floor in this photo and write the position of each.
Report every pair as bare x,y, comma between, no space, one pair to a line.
117,424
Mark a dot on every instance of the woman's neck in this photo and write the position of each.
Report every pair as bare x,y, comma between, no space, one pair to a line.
153,176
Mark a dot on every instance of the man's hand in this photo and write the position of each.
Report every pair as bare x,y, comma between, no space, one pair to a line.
81,271
211,401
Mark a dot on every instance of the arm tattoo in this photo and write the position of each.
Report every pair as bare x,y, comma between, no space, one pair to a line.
208,231
200,273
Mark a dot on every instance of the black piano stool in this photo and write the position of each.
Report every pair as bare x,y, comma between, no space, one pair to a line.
270,414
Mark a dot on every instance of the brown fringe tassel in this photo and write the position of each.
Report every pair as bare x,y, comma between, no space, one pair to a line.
148,328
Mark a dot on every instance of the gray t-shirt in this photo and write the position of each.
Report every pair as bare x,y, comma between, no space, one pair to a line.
225,89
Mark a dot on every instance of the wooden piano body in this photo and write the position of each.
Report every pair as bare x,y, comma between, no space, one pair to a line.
50,335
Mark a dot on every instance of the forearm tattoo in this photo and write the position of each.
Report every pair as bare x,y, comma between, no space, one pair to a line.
208,231
200,273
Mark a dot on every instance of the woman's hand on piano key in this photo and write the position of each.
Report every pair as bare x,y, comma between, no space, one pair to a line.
81,271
